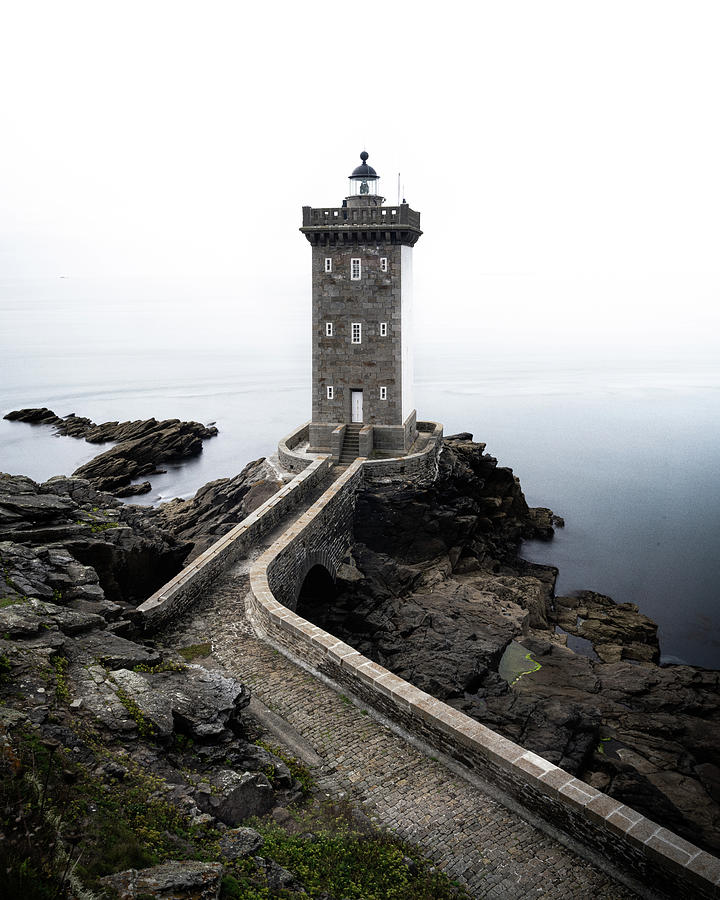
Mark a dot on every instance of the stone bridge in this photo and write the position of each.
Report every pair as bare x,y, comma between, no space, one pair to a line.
261,565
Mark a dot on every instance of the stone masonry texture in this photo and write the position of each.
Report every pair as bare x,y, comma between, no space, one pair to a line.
490,850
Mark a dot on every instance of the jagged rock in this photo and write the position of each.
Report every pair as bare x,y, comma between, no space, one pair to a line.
29,617
174,880
92,546
112,651
142,445
237,843
258,759
236,797
198,702
132,490
616,630
219,505
278,879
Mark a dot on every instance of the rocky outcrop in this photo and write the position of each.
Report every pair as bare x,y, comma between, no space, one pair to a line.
174,880
140,446
64,539
219,505
435,592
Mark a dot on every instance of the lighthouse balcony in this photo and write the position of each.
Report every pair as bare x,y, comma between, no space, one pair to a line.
342,216
358,224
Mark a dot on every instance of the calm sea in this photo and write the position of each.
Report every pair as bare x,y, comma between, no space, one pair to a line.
627,454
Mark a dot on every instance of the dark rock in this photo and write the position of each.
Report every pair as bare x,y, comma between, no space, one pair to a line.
278,879
92,546
237,797
112,651
29,617
196,702
174,880
219,505
140,446
131,490
237,843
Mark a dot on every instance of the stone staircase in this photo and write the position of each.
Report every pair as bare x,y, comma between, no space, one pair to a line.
351,444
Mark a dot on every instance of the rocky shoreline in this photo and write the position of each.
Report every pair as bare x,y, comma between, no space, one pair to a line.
140,446
435,591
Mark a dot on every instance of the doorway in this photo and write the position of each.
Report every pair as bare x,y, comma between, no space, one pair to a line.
356,406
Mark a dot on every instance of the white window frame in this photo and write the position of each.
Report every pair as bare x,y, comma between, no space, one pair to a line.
383,393
356,332
355,268
330,392
328,263
328,329
383,329
383,264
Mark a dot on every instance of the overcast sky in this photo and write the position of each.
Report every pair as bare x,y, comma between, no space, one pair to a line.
565,156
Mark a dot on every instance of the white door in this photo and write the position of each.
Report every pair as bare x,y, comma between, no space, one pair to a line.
356,402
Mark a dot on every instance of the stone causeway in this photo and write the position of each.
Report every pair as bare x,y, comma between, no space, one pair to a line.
503,821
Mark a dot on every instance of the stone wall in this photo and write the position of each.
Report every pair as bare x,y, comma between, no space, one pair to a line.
374,362
321,536
290,456
419,467
647,853
177,595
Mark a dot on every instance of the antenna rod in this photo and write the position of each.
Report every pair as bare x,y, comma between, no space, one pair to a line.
398,203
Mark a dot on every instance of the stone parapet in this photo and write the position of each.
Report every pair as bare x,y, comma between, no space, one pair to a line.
174,597
365,439
337,438
292,450
419,466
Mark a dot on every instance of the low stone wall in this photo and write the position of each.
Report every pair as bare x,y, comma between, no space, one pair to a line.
419,466
173,598
644,851
322,535
290,458
337,439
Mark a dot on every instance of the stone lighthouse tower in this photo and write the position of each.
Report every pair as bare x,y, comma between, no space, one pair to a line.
362,375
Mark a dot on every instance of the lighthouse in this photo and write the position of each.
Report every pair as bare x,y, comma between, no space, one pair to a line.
362,371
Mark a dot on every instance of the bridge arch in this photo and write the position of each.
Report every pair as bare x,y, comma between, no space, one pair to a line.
316,580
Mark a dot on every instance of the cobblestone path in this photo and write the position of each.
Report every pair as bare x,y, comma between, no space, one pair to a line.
491,850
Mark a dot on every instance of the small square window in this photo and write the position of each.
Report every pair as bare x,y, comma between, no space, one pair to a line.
328,329
383,329
383,263
328,263
355,269
356,333
383,393
330,391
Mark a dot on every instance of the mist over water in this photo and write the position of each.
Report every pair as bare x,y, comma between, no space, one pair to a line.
626,452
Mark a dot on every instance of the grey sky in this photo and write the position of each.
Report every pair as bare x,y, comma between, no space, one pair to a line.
564,156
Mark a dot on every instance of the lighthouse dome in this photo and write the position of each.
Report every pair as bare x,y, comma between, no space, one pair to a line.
364,170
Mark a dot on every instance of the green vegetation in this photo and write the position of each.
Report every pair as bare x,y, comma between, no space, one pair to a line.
60,664
63,820
12,601
195,651
298,771
164,666
329,854
5,667
145,727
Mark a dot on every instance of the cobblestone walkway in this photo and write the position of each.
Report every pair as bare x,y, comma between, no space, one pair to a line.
488,848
